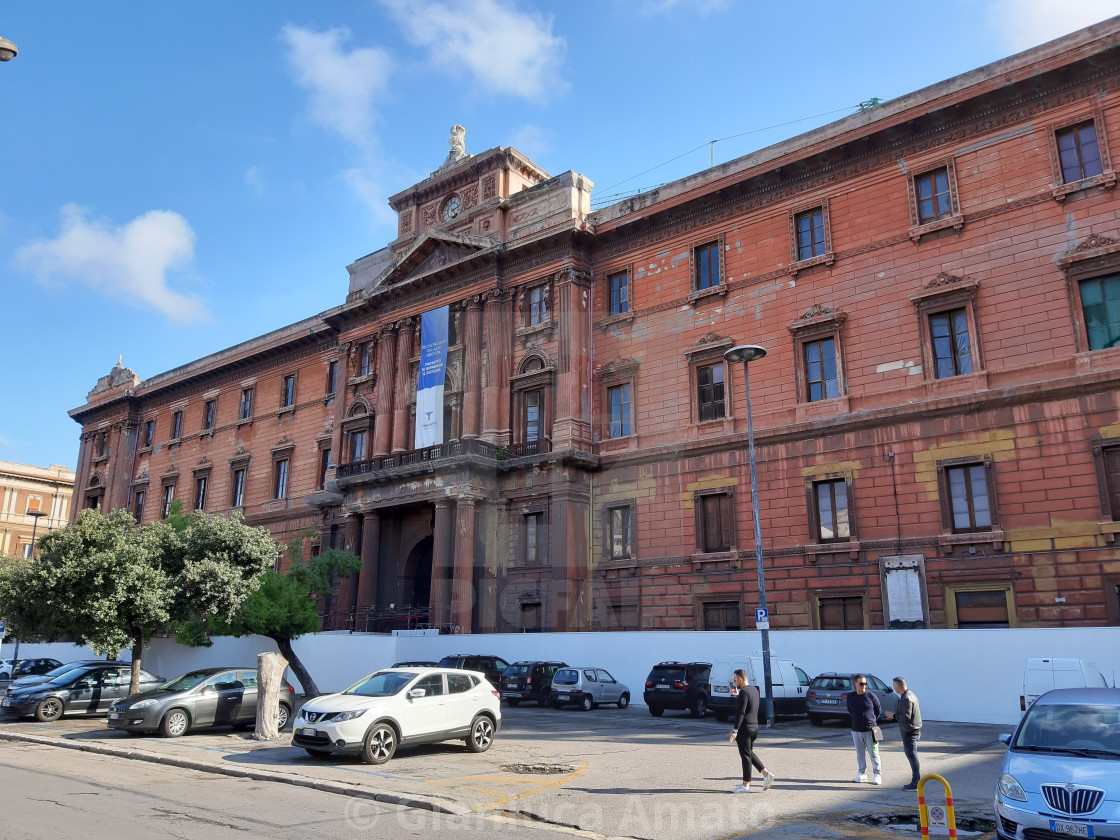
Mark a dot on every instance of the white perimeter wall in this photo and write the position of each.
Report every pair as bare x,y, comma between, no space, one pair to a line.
959,675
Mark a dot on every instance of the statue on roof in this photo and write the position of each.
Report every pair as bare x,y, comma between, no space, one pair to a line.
458,144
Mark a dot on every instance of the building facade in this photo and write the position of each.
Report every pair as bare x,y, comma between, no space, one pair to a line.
33,502
936,281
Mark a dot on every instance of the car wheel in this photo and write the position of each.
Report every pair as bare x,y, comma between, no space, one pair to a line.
700,707
174,723
282,716
816,720
50,709
514,702
316,753
380,744
586,703
624,701
482,734
721,716
656,711
543,700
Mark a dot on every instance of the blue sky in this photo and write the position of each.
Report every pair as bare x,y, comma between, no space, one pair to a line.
179,177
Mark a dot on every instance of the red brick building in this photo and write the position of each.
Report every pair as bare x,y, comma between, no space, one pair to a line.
936,281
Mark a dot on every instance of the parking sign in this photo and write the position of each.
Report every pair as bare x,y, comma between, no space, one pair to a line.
762,619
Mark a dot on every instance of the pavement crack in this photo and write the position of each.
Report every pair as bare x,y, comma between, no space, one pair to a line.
169,814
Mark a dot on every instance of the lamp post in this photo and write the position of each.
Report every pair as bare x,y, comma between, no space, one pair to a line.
36,515
8,50
747,353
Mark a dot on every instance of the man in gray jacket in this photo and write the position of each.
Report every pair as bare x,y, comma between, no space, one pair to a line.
909,718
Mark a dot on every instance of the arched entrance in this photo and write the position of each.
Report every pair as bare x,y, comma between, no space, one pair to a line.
418,575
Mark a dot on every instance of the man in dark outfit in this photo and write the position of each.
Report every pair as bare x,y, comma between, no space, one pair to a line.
746,730
909,717
864,708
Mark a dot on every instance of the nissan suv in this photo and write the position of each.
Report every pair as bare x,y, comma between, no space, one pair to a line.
491,666
529,681
678,685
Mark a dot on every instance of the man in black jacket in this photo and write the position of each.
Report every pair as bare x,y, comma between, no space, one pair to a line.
864,708
746,730
909,718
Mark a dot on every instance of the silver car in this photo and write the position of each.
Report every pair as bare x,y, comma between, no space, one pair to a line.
1061,774
207,697
587,688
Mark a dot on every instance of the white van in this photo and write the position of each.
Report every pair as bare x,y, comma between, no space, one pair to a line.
1041,675
790,684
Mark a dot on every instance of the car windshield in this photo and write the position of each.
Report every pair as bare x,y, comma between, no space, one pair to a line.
188,681
832,684
1080,728
71,676
63,669
519,670
667,674
566,676
381,684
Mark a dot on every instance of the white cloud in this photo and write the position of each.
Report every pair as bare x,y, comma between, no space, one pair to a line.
129,262
254,179
343,85
505,50
1027,23
533,141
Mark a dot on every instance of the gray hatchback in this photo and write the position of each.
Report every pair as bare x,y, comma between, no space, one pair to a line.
827,695
587,687
207,697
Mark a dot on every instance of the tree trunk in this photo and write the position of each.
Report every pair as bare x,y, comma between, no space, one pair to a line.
137,652
310,690
270,676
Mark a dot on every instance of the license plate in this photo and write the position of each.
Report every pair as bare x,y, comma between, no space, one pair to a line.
1072,829
722,689
114,715
310,733
563,697
829,702
662,685
514,694
511,685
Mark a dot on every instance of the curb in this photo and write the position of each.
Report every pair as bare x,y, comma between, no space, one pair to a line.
326,786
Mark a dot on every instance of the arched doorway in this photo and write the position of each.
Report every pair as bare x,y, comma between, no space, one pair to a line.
418,575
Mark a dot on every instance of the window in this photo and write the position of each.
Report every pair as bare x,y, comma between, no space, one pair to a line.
619,398
332,376
149,433
952,350
810,234
238,495
1100,305
830,508
200,493
710,392
357,446
101,444
168,498
531,617
618,287
138,500
722,615
535,548
288,392
822,381
980,606
365,359
1078,152
714,523
324,463
619,533
531,411
933,195
969,502
622,617
538,306
176,425
245,412
1107,457
280,485
840,612
706,266
531,420
208,412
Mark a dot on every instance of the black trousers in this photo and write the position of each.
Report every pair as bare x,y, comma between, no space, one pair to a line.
910,749
745,742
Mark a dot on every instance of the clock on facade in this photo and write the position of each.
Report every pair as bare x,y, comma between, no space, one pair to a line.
452,207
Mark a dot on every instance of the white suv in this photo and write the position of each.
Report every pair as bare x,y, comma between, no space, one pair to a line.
401,706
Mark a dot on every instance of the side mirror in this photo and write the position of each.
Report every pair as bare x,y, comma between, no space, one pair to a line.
81,684
417,693
1005,738
208,689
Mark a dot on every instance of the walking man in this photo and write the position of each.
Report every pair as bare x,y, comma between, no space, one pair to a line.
746,730
909,718
864,708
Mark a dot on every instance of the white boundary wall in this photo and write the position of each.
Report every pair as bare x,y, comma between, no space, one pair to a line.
959,675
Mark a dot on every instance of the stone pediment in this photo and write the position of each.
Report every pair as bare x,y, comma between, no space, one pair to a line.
432,252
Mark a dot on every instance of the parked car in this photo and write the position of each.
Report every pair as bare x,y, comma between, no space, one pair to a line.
1045,674
6,669
399,707
35,679
207,697
82,691
678,685
788,681
27,667
491,666
826,697
1061,774
587,688
529,681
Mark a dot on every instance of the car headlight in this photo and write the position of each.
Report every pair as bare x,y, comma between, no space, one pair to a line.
1009,786
341,716
140,704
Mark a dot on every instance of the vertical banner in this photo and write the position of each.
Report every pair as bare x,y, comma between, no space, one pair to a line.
429,384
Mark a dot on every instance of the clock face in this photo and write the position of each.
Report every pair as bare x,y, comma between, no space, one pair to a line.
452,207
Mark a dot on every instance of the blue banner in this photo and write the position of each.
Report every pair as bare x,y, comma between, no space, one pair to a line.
429,384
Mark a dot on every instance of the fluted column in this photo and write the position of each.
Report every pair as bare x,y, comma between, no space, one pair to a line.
495,391
462,590
371,555
383,396
337,440
571,428
443,546
472,365
81,474
347,586
405,330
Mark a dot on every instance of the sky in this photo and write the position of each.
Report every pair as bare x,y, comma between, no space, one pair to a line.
176,178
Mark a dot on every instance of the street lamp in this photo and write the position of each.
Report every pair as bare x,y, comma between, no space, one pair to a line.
36,515
747,353
8,50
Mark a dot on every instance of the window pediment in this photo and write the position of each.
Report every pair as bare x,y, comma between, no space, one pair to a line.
946,286
818,317
711,343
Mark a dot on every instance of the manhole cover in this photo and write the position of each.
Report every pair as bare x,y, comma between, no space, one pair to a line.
539,769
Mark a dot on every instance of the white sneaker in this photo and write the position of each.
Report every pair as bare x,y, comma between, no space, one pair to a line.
877,780
861,777
741,789
767,780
